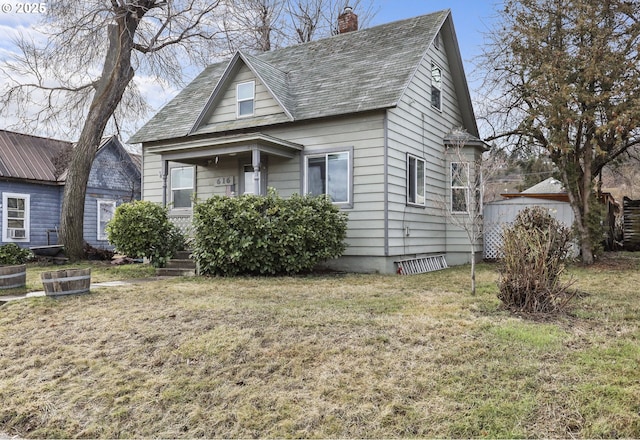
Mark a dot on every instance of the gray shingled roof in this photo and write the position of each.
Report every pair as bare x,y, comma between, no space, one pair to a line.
548,186
353,72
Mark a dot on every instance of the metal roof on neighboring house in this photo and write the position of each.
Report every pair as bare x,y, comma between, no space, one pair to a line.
39,159
357,71
29,157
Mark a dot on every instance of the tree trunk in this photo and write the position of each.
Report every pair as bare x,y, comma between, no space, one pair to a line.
116,75
473,271
579,192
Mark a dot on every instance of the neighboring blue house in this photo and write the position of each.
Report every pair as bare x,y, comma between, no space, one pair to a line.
32,178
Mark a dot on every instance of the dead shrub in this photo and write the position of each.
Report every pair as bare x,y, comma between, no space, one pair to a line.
534,250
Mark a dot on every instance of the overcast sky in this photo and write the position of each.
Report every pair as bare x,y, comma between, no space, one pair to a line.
472,20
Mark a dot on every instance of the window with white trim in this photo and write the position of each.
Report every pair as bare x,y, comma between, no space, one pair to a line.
416,184
15,217
330,174
436,87
106,210
459,187
181,187
245,93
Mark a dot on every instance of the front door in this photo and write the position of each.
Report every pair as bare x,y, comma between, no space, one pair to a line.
248,179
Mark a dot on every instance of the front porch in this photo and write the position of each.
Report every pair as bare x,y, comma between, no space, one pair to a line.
197,169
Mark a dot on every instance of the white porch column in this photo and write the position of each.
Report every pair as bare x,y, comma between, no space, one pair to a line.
255,163
163,175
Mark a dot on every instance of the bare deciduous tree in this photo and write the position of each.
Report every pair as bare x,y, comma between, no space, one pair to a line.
84,69
84,72
263,25
469,169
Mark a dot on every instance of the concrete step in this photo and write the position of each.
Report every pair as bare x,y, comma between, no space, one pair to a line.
173,272
181,264
182,255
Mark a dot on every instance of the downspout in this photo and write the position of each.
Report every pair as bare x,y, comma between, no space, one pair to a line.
385,178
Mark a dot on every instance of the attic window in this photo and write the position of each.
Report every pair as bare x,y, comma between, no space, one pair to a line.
436,87
245,93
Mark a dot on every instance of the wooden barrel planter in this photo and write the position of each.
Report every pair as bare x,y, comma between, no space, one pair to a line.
66,281
13,276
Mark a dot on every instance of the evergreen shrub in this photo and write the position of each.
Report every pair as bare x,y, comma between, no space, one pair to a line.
266,234
12,254
142,229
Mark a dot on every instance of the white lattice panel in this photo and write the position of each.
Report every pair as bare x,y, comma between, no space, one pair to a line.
183,222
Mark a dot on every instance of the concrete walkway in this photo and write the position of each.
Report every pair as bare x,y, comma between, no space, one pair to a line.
7,298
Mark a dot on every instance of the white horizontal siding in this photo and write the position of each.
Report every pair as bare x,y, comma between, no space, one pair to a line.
365,134
264,104
415,127
151,181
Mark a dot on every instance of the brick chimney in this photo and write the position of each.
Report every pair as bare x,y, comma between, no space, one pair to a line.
347,21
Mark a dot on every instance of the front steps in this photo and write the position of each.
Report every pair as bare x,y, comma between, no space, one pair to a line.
181,265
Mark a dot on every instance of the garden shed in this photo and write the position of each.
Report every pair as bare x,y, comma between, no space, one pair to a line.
548,194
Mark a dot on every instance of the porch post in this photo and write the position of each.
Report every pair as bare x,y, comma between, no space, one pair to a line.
255,163
164,170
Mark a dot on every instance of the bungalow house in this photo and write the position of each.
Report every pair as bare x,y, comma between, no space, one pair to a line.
365,117
32,178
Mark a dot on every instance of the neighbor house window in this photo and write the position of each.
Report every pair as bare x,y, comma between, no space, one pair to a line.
246,97
459,187
415,181
181,187
436,87
329,174
15,217
106,210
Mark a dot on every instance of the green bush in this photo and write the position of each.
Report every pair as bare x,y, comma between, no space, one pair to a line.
142,229
533,252
266,235
11,254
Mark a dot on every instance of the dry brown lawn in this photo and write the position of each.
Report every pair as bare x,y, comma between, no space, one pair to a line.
346,356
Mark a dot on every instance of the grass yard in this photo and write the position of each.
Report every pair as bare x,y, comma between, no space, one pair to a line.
346,356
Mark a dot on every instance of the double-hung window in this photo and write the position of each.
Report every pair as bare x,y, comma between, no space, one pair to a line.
330,174
106,210
181,187
245,93
15,217
436,87
415,181
459,187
